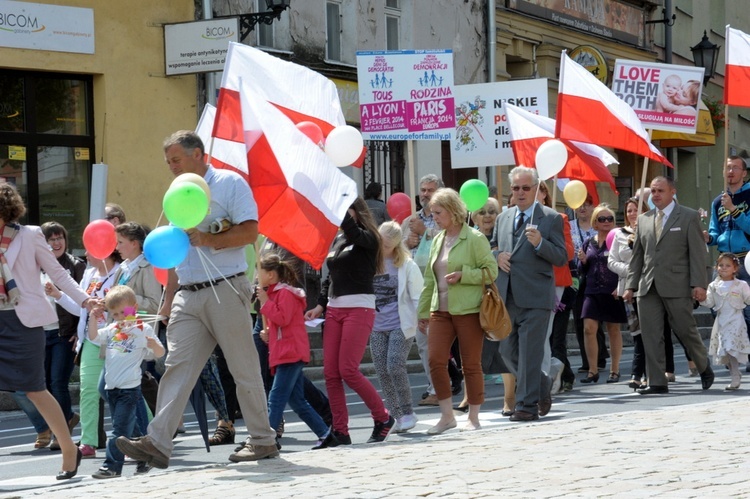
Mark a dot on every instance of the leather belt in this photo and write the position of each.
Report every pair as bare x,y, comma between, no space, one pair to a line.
202,285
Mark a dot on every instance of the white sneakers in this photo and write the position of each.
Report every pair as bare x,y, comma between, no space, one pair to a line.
405,423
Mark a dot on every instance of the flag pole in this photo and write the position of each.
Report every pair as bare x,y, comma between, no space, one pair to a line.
726,144
643,174
554,192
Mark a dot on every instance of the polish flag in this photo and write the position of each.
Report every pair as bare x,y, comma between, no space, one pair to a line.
586,162
737,62
300,93
301,196
225,154
588,111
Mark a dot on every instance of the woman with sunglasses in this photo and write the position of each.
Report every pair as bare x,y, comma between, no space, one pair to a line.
601,302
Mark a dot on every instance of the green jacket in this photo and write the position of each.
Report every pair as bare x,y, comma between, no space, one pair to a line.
470,254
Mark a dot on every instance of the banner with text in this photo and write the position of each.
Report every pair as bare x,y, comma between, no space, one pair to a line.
406,94
482,137
664,96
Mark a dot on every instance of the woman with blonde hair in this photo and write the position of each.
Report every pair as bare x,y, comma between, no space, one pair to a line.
450,301
397,292
601,303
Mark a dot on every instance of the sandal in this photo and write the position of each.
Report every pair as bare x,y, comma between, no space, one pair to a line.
43,439
222,435
613,378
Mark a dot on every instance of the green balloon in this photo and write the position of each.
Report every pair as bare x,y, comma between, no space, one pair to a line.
185,205
474,194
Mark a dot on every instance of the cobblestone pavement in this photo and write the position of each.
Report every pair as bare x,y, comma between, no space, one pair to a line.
688,451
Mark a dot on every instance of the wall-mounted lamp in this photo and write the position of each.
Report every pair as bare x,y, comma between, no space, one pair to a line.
249,21
705,55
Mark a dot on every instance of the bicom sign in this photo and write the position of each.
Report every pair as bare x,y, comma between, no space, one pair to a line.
36,26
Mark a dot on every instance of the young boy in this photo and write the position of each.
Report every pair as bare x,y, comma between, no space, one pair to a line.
129,341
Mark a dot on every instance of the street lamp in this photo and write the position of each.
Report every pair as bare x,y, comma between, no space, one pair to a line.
248,21
705,55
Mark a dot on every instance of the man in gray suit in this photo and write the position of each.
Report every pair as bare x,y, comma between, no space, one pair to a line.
667,272
529,239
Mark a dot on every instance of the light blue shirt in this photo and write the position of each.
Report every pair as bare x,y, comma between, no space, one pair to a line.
231,198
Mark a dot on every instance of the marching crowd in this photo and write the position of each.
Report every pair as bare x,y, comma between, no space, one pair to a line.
387,285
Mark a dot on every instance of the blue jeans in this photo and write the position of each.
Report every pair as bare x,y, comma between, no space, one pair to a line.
289,387
28,407
122,405
58,365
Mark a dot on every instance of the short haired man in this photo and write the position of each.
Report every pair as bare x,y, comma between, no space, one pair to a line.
667,273
530,242
197,324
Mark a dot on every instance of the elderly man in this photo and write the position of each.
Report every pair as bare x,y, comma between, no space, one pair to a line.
197,324
668,272
530,242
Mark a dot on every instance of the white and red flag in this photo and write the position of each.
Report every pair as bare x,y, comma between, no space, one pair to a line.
737,63
588,111
586,162
302,197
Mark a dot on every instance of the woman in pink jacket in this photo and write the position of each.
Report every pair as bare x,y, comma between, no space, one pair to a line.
24,309
283,308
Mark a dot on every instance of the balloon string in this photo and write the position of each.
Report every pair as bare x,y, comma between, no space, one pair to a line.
200,251
536,197
203,259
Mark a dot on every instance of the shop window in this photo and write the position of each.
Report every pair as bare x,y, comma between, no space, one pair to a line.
47,146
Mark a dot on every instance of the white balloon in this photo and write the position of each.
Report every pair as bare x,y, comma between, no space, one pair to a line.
344,145
550,158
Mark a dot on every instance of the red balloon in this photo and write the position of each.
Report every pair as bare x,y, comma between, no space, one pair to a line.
162,275
610,238
313,131
398,206
99,239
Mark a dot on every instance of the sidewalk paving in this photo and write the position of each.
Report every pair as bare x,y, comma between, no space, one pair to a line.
685,451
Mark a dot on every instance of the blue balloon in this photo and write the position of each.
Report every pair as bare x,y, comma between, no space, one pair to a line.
166,247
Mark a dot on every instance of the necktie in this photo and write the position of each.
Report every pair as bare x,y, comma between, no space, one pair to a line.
521,217
659,224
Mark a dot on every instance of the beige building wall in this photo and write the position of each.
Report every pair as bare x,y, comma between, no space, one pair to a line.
135,104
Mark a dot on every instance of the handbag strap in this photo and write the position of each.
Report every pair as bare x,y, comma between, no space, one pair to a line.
486,277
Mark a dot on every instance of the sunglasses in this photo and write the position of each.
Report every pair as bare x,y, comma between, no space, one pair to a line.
516,188
602,220
483,212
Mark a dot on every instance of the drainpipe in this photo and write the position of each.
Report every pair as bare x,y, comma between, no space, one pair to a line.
210,78
491,65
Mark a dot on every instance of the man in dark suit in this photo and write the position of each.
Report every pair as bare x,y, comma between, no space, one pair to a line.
667,273
529,239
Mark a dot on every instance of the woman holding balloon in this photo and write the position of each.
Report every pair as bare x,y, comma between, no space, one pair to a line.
601,302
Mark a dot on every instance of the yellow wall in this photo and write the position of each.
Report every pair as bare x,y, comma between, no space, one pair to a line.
135,105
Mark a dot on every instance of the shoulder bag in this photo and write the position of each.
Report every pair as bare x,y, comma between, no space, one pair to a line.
493,316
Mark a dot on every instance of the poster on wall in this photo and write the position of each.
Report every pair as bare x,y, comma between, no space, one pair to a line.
481,136
664,96
406,94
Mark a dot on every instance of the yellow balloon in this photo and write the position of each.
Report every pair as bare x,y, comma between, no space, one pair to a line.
193,178
575,193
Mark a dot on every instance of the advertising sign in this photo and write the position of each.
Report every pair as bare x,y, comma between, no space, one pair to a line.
664,96
481,136
406,94
37,26
198,46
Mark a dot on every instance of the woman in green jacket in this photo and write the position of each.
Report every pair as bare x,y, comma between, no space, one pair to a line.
449,304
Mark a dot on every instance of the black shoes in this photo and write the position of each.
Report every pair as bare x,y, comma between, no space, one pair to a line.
329,441
67,475
653,390
381,430
545,395
591,378
523,416
707,378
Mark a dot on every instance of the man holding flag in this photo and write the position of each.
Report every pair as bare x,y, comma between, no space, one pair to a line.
213,270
